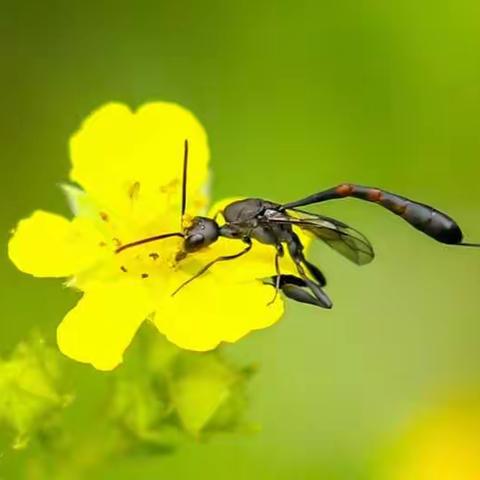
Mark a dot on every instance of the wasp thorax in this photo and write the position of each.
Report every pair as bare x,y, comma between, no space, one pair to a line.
201,233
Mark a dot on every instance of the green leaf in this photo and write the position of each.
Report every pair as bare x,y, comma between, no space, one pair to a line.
79,202
29,389
200,386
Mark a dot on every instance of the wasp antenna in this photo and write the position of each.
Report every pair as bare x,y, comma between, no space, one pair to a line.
469,245
184,182
148,240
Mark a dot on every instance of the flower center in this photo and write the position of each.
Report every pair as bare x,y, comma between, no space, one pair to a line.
152,259
146,261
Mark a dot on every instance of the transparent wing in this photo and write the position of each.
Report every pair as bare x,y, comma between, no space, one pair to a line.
344,239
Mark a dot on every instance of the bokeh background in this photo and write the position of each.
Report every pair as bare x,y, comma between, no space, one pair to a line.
296,97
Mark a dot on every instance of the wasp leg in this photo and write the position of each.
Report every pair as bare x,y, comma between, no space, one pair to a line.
224,258
295,249
315,288
295,288
277,271
316,273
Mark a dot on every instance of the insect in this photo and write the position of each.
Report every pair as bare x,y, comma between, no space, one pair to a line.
255,219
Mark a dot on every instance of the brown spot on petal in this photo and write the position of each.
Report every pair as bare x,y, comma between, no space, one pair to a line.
134,191
169,187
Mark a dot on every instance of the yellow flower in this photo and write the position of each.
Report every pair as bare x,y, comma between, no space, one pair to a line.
129,165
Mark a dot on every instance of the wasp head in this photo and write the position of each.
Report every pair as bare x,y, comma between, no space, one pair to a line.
201,233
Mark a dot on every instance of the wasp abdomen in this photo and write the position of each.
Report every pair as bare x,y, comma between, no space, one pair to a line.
427,219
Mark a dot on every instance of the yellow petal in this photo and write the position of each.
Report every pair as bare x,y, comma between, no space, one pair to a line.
48,245
101,326
207,312
132,162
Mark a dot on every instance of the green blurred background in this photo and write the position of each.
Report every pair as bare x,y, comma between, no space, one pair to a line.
296,97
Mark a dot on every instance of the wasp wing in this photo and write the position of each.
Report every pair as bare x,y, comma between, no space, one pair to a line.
344,239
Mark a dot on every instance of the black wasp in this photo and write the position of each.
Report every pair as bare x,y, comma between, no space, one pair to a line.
271,223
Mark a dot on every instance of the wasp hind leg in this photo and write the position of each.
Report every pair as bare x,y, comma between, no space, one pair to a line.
278,274
295,249
315,272
297,289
